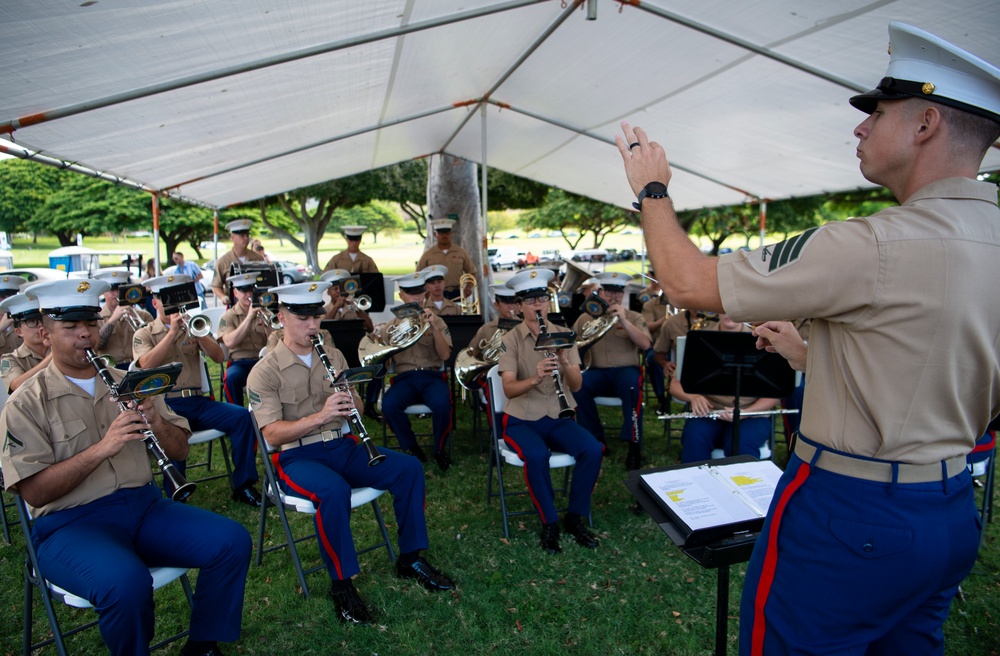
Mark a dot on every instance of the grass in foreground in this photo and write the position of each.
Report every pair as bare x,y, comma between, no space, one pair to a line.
635,594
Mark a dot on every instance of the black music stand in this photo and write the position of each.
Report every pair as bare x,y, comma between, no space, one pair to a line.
720,554
463,327
347,334
729,364
373,285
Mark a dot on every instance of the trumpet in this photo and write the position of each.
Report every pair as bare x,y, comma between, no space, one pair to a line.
350,287
565,412
182,487
198,325
354,419
133,318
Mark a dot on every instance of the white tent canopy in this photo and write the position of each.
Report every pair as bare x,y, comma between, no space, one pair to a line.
226,101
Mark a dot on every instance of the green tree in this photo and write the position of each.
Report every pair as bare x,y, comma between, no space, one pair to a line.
570,213
180,222
90,206
718,223
24,186
502,220
377,216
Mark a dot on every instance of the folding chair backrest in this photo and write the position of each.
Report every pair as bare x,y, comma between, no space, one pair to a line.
497,397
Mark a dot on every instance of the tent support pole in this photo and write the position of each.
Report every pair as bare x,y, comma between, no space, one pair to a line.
156,232
763,220
485,308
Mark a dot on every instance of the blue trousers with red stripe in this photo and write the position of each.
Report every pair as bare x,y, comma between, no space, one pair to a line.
325,472
534,441
410,388
203,414
622,382
102,550
234,380
846,566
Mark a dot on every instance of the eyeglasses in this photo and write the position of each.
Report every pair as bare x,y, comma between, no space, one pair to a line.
536,300
614,292
31,323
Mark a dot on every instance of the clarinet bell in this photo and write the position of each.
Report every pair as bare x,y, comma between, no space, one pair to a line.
182,487
374,457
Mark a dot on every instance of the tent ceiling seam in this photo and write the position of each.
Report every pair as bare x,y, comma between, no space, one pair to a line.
391,84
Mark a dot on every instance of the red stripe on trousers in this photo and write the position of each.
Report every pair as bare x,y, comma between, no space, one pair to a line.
520,454
771,561
319,518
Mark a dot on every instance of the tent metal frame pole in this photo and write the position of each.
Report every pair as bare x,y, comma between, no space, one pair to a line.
752,47
11,125
485,308
16,150
156,232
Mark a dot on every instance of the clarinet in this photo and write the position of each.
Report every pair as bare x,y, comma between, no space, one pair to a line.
565,412
182,487
354,419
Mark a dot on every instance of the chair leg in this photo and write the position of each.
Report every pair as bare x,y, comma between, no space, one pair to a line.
384,531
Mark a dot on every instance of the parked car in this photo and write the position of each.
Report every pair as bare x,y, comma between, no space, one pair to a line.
549,256
37,275
590,255
627,254
502,258
292,272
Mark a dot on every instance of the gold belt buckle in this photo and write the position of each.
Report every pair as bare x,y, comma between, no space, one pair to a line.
328,435
187,393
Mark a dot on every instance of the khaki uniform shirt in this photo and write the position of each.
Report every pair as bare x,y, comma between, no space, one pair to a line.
282,388
361,264
9,340
119,344
615,349
674,327
654,309
186,351
50,419
253,341
456,259
448,308
903,360
421,355
14,364
223,263
519,355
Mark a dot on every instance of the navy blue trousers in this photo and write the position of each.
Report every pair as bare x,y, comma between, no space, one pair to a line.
234,380
534,441
325,472
700,436
101,551
414,387
622,382
204,414
845,566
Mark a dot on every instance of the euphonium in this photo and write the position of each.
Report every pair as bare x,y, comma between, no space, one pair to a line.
354,419
470,304
474,361
400,337
182,487
596,328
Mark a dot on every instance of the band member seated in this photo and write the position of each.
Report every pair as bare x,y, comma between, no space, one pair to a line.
490,334
239,232
119,321
33,354
450,255
539,385
434,285
654,311
419,377
244,329
304,418
167,339
341,305
701,435
665,342
9,340
352,260
615,367
100,521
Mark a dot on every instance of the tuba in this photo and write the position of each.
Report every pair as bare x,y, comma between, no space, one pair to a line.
596,328
474,361
398,338
470,304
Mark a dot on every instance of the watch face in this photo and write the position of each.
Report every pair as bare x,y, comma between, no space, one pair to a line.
655,189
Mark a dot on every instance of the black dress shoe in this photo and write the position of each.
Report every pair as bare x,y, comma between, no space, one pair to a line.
427,574
418,453
550,538
195,648
443,460
350,608
634,458
583,537
247,495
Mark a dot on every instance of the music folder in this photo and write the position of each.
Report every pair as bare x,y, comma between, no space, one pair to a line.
711,503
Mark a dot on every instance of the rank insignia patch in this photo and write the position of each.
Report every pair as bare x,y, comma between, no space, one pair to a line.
773,257
12,445
254,398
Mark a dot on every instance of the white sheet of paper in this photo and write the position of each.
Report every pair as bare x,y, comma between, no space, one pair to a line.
755,480
698,498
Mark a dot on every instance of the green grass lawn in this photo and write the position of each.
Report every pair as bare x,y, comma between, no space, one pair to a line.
635,594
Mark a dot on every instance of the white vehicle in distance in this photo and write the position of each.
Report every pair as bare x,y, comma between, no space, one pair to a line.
503,257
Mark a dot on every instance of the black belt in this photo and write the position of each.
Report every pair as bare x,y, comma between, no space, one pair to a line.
184,393
244,360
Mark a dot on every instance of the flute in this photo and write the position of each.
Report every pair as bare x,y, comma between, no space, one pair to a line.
182,487
354,419
565,412
718,413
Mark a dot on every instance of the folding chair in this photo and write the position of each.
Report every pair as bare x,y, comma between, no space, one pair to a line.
500,453
275,496
982,463
418,410
209,436
34,578
4,503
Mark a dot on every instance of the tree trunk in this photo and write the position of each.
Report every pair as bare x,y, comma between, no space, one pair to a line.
453,192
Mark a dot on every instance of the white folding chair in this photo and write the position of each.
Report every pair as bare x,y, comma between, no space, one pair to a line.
501,454
275,496
34,579
208,436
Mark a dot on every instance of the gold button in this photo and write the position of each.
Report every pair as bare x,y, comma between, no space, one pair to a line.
927,88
